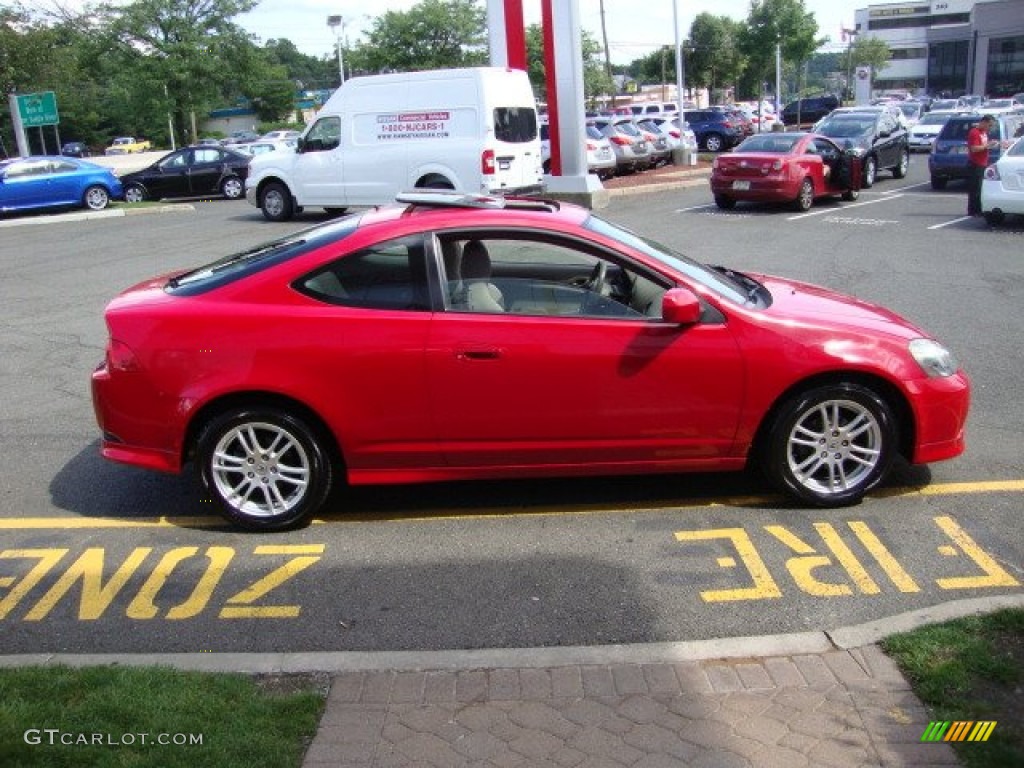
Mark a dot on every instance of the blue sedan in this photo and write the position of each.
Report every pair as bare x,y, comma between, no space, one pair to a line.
31,183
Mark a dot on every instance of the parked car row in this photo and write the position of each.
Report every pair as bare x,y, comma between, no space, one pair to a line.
42,182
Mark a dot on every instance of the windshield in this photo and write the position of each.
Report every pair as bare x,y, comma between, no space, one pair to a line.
721,284
847,127
1017,150
774,144
934,119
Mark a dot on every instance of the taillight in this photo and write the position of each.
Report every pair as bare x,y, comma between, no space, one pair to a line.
120,357
726,124
591,147
622,141
487,162
992,173
674,134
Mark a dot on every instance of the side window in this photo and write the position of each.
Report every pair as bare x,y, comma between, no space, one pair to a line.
541,277
389,275
206,156
324,135
179,160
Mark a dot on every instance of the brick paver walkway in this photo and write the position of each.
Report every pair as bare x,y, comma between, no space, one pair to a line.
841,708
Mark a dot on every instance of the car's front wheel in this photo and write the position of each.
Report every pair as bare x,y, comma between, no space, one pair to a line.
276,202
870,171
904,165
830,445
232,188
265,467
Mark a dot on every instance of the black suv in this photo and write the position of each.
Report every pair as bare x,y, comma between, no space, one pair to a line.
809,110
876,137
715,130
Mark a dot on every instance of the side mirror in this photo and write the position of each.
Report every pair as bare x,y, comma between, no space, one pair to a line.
680,306
300,144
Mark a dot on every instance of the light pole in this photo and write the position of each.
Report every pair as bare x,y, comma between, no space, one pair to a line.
337,23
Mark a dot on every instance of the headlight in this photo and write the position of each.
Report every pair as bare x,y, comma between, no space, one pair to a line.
934,359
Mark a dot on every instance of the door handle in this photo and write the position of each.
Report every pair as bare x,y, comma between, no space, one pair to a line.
480,353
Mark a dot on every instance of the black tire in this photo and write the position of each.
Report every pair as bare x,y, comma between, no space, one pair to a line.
714,143
437,183
232,188
96,198
851,194
870,172
725,203
335,211
995,217
829,446
276,202
266,468
805,197
904,165
135,193
939,182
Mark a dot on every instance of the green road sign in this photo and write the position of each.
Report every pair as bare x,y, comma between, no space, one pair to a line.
38,109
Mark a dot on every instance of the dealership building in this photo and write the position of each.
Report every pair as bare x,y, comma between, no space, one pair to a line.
952,47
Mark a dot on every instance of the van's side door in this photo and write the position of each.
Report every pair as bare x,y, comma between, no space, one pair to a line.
320,168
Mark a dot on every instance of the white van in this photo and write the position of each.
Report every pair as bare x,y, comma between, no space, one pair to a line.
472,130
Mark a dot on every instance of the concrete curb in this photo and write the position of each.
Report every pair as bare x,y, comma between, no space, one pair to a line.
116,213
795,644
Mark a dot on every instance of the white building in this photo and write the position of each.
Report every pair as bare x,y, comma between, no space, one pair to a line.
949,46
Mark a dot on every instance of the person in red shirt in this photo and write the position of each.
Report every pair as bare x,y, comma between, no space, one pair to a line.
978,145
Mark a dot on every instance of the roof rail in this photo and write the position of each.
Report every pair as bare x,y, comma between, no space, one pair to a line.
450,198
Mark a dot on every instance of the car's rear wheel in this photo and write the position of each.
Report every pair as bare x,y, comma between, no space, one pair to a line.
830,445
870,171
134,193
436,182
939,182
265,467
96,198
276,202
901,169
805,197
232,188
725,203
713,142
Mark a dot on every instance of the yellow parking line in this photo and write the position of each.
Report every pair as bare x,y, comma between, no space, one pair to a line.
76,523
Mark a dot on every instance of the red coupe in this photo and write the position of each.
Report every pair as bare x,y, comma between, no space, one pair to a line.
796,168
459,337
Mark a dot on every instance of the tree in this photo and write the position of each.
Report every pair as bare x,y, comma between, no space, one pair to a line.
714,59
186,52
870,51
777,22
433,34
596,81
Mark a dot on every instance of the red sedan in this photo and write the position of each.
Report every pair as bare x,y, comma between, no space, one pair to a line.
465,337
796,168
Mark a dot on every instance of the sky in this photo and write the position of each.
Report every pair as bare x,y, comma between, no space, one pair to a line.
635,27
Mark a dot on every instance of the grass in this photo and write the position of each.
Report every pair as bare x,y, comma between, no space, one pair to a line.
971,669
241,720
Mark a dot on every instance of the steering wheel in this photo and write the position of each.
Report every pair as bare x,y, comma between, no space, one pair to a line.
597,277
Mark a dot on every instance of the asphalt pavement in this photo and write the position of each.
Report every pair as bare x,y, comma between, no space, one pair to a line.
807,699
